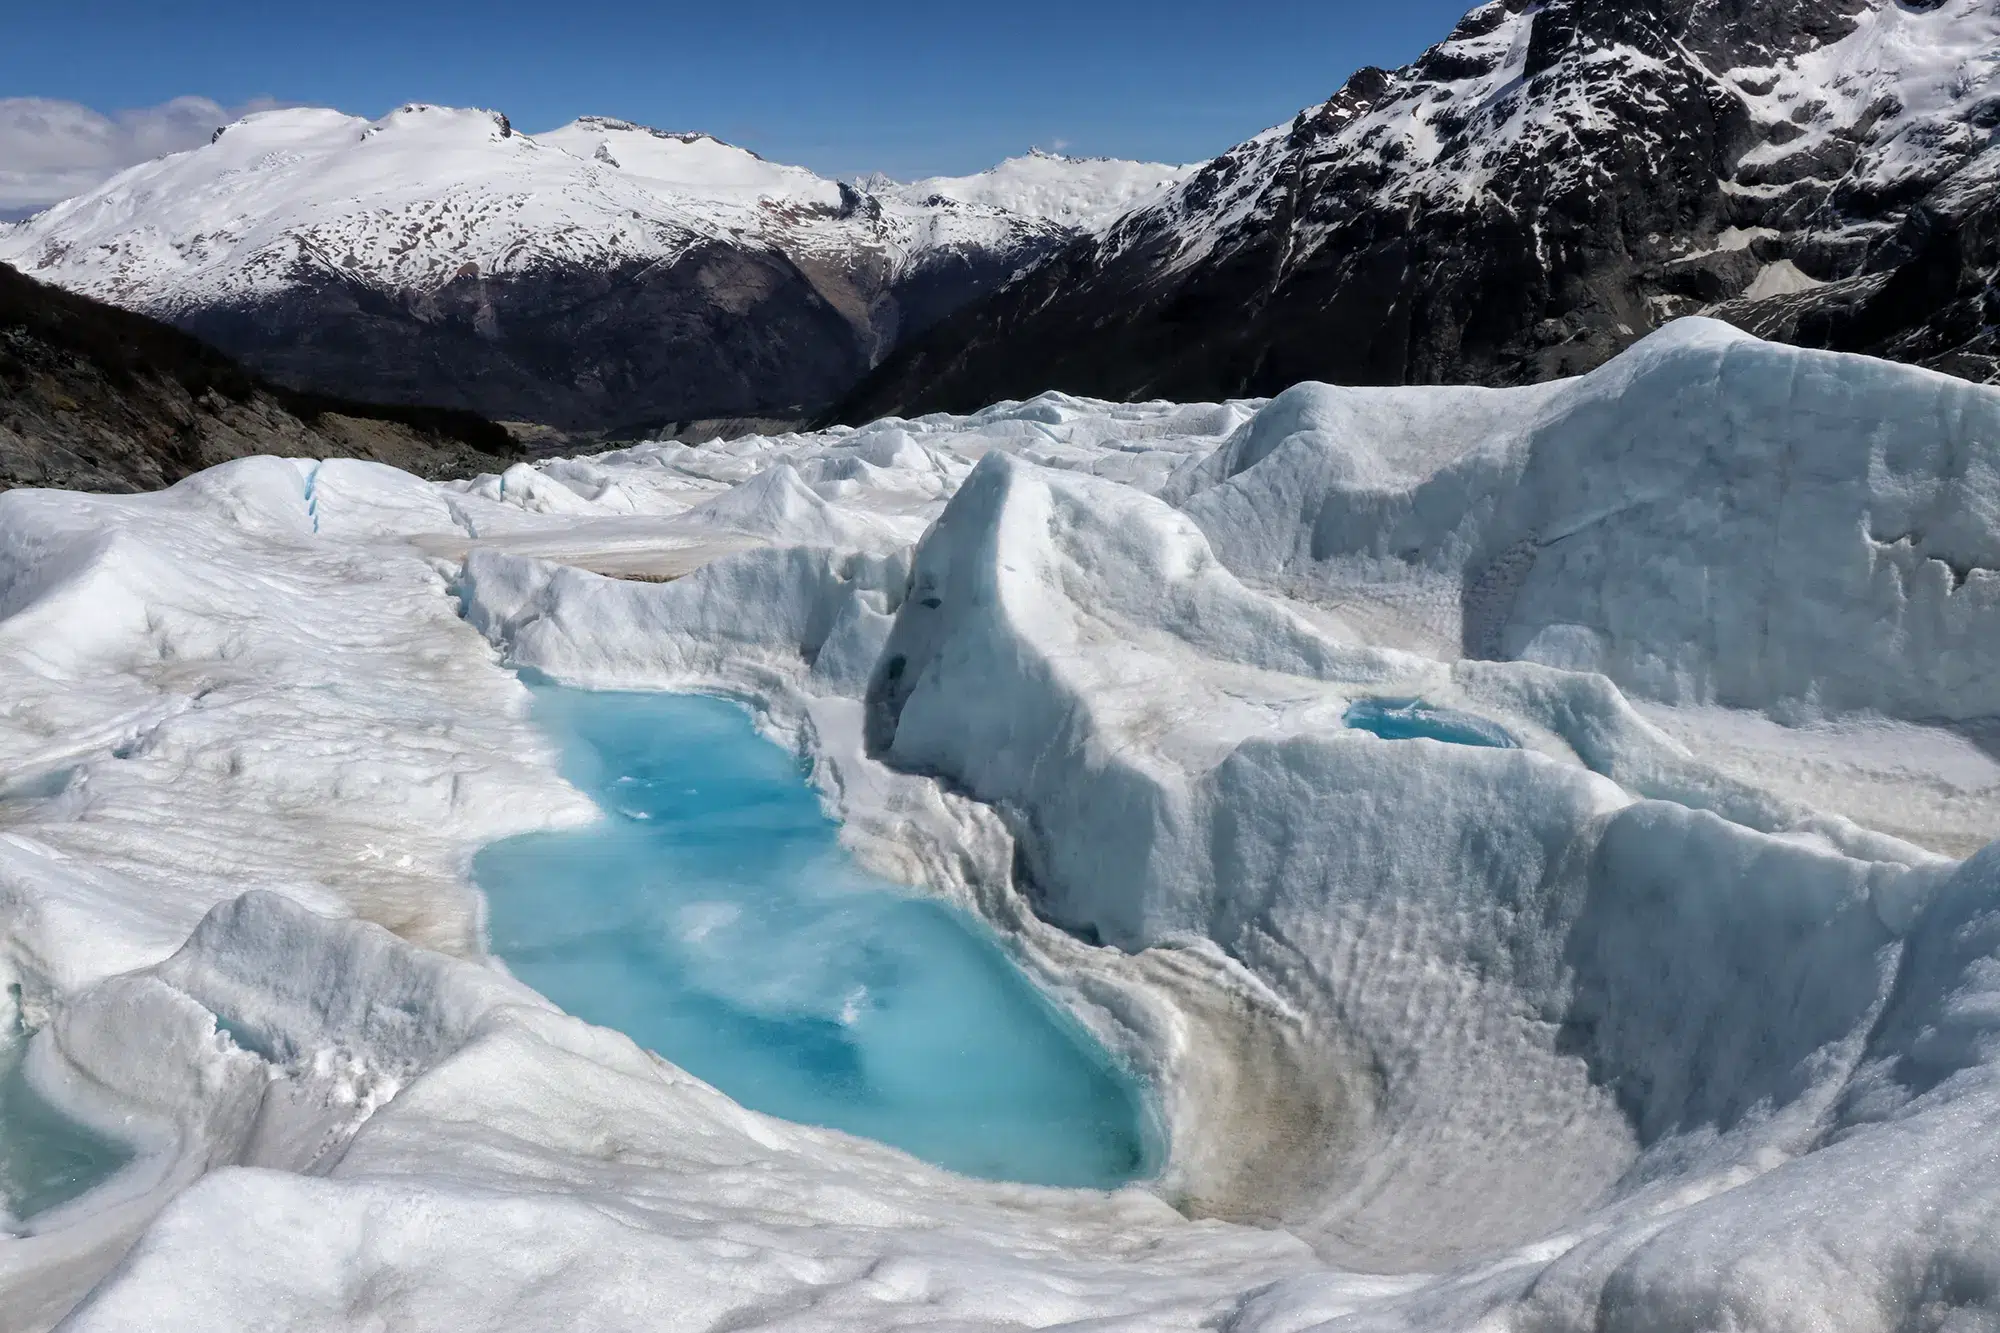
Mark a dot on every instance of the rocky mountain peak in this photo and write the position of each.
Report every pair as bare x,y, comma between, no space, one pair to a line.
1576,29
1535,192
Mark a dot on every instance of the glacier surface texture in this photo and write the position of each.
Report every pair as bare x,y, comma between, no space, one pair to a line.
1534,845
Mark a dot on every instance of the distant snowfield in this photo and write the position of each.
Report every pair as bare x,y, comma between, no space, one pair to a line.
428,194
1679,1016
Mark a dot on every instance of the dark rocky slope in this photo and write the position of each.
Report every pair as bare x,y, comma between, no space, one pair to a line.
97,398
719,331
1930,294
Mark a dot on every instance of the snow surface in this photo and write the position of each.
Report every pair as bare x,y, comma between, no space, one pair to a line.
1679,1015
427,194
1085,192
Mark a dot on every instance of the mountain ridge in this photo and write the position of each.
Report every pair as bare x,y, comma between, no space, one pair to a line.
599,275
1528,197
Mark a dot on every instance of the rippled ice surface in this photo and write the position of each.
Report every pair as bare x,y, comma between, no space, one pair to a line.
46,1159
715,918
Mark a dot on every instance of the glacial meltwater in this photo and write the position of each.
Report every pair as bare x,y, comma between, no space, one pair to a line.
1413,719
715,918
46,1159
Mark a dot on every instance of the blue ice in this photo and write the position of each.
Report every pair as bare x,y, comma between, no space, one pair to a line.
46,1159
715,919
1413,719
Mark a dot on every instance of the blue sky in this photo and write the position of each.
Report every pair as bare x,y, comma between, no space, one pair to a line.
898,86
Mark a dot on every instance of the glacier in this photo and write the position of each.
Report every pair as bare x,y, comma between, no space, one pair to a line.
1675,1013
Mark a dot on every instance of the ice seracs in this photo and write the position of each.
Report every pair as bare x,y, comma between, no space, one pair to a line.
1528,529
1610,1030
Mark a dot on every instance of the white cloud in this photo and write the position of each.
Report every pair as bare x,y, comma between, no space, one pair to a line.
50,150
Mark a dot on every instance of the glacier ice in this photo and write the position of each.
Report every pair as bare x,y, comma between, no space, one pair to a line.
1676,1015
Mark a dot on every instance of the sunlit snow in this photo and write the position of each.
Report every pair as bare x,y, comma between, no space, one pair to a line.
427,194
1677,1014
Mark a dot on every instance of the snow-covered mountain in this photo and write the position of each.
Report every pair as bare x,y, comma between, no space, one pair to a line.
597,274
1537,191
1087,193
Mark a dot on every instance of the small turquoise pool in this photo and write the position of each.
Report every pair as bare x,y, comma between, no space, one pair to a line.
1413,719
46,1159
715,919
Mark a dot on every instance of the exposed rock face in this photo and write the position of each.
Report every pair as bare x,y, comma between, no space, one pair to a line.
96,398
1930,293
718,332
1547,185
715,331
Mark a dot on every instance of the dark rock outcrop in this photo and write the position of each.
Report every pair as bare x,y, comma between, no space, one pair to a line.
1933,297
719,331
97,398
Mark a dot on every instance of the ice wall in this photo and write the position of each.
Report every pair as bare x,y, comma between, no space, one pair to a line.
1708,518
1538,988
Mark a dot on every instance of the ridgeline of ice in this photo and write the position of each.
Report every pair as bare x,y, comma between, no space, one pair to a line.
1678,1015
